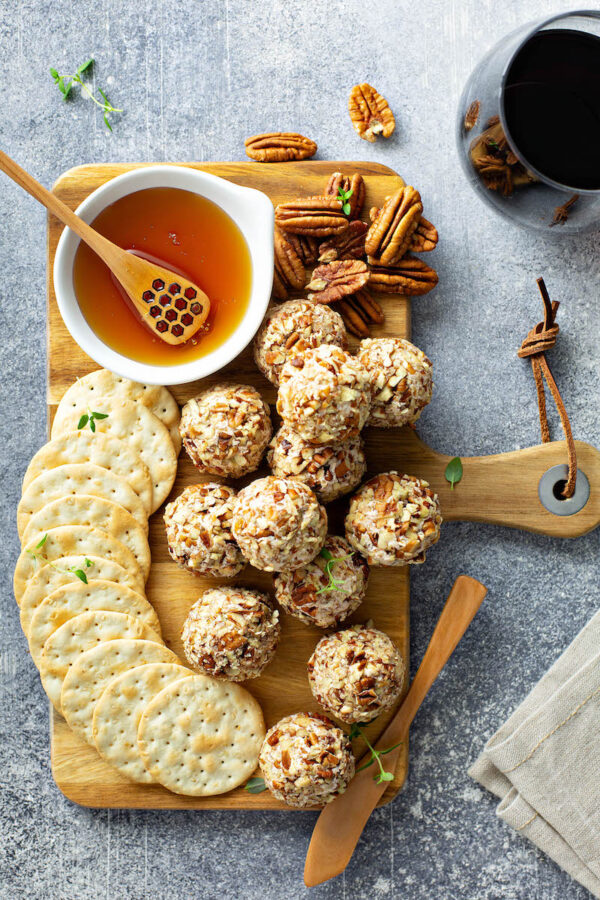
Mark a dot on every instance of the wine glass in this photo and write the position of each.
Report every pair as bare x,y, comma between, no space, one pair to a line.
528,128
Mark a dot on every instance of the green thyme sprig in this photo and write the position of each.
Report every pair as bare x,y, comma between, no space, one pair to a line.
90,417
255,785
65,86
75,570
36,557
344,196
454,471
332,585
357,731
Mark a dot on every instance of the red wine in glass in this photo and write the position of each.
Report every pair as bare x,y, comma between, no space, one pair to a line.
552,106
528,124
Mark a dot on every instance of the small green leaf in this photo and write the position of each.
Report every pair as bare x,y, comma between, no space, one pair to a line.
454,471
85,66
326,554
346,209
98,415
42,542
88,563
79,573
83,421
54,74
92,424
106,122
255,785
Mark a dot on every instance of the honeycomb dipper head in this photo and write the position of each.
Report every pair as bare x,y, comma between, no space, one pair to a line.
172,307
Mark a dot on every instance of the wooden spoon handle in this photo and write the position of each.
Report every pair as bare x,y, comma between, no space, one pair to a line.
106,250
341,823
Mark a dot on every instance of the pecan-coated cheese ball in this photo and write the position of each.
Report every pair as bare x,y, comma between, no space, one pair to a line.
231,633
324,395
278,524
292,328
393,519
328,589
226,429
330,470
356,674
306,760
199,537
402,379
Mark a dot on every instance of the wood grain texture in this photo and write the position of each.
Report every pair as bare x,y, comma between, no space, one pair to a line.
78,770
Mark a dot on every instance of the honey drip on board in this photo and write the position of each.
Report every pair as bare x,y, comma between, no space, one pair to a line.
185,232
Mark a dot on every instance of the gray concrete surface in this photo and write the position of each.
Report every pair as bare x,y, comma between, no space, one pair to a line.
195,78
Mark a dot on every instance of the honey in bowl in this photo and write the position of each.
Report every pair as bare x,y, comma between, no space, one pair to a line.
186,233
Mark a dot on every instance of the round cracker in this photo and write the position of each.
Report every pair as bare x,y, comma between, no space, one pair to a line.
118,712
68,540
95,512
78,478
90,677
71,600
200,736
142,432
103,386
101,450
78,635
62,571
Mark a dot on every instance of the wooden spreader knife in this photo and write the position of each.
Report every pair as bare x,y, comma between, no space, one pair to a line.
341,823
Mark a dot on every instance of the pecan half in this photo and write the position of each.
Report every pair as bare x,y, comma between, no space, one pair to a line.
354,183
279,146
471,115
425,235
312,216
411,277
390,235
289,268
370,113
338,279
360,311
495,163
350,244
306,247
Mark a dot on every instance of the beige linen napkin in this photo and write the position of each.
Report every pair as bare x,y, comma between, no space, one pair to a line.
544,762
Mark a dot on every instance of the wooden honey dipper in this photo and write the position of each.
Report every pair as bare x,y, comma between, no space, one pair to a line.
172,307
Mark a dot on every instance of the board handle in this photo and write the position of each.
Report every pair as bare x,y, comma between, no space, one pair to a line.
503,489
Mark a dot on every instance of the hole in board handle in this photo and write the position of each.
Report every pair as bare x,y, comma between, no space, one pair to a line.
550,490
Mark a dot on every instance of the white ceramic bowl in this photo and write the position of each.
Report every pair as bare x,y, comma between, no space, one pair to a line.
251,210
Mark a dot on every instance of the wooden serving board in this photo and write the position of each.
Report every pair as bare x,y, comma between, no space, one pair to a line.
500,489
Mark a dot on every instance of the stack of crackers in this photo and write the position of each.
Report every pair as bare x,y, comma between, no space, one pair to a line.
80,585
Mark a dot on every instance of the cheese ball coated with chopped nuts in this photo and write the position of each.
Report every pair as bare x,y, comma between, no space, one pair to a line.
292,328
329,470
402,379
226,429
327,590
325,395
199,537
231,633
278,524
356,674
306,760
393,519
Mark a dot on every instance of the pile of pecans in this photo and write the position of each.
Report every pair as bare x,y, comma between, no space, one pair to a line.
352,255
